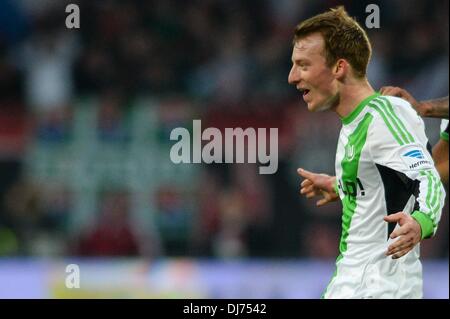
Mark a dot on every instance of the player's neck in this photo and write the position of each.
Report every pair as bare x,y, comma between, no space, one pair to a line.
350,95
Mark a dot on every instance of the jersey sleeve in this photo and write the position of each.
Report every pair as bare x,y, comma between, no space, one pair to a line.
393,146
444,130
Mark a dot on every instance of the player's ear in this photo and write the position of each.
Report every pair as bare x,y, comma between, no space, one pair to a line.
340,69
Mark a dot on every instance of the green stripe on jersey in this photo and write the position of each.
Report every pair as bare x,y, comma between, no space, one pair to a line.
434,195
437,195
429,190
435,190
403,129
392,121
350,166
388,124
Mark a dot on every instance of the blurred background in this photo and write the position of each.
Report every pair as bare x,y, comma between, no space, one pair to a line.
85,120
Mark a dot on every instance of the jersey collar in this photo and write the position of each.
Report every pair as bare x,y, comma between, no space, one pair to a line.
353,114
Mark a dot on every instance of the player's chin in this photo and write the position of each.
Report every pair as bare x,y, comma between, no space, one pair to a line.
313,107
318,106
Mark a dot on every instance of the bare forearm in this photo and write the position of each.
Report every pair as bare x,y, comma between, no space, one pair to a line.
435,108
442,169
440,157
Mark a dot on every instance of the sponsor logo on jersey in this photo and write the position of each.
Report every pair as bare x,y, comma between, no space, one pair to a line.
351,188
415,157
414,154
418,164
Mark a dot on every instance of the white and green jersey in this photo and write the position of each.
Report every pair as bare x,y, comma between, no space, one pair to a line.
382,167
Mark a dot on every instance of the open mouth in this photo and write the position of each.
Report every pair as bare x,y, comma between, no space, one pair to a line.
304,92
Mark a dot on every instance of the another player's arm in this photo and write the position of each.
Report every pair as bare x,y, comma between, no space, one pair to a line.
388,143
318,184
440,156
432,108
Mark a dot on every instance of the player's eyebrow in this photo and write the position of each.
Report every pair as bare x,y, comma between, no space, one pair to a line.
300,60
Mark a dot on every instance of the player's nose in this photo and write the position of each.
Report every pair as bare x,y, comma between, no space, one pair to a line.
294,76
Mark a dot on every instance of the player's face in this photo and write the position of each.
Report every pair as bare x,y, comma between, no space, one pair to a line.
311,75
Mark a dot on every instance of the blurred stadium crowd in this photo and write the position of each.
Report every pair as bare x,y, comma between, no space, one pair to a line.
86,114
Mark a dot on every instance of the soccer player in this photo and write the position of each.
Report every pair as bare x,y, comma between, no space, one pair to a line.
432,108
384,173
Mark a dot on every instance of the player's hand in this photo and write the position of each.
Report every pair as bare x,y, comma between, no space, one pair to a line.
402,93
316,185
409,234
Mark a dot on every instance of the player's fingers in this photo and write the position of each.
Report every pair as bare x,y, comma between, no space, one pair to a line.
310,194
328,196
306,174
393,218
401,231
302,190
406,246
307,189
385,89
404,240
397,232
400,245
395,245
391,90
322,202
402,253
306,182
